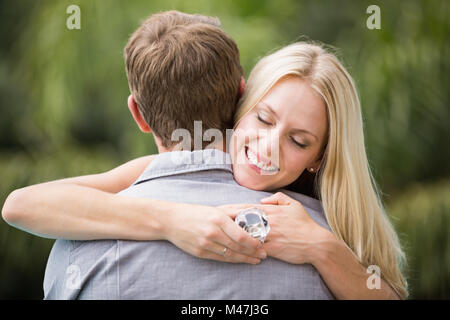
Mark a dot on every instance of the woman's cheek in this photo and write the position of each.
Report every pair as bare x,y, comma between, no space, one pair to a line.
295,164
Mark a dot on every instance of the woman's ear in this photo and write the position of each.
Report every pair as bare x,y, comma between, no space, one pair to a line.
137,116
315,166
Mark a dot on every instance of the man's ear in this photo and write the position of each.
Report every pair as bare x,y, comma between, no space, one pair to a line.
242,86
133,107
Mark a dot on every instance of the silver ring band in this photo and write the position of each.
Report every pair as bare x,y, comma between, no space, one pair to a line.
224,251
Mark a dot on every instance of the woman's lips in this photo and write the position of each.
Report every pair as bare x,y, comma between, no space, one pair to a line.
252,166
254,161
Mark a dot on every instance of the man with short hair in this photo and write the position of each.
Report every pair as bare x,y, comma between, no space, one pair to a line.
181,68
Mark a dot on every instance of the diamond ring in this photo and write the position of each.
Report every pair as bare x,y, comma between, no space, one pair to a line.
254,221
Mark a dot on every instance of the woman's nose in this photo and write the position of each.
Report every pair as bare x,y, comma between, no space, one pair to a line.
269,144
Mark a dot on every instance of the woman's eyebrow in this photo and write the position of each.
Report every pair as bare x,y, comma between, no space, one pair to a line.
269,108
295,129
305,131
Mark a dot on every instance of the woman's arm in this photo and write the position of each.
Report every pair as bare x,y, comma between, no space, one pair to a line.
296,238
83,208
344,275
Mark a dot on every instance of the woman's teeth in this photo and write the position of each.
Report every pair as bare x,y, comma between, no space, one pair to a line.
253,159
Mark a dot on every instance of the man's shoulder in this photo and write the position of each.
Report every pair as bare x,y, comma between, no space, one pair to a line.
184,162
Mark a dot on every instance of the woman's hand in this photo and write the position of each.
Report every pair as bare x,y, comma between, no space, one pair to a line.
293,233
206,231
296,238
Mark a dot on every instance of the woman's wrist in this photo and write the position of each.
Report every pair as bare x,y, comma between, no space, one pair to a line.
161,218
322,247
143,218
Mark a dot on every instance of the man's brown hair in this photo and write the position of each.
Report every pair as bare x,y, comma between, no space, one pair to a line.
182,68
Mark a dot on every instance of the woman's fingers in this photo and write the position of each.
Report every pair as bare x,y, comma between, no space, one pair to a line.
239,235
206,249
278,198
232,210
217,251
207,231
231,257
257,252
271,247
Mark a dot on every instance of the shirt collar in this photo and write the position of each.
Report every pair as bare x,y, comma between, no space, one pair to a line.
178,162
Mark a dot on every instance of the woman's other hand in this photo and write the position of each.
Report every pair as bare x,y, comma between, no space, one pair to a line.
293,233
205,232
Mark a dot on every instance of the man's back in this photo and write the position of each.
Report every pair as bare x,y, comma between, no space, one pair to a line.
119,269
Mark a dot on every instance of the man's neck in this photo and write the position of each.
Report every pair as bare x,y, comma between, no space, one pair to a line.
218,146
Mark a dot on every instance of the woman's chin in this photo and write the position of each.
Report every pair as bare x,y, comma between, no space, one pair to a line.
251,182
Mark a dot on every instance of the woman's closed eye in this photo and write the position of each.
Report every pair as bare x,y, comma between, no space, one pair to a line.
266,122
299,144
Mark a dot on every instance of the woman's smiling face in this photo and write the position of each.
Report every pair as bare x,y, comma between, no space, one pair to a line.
280,137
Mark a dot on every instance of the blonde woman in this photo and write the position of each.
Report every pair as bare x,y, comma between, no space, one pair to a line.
305,98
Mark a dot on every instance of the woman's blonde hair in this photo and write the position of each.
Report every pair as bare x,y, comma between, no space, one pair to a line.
345,185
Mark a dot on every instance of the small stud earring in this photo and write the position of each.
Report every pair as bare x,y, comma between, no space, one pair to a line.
311,169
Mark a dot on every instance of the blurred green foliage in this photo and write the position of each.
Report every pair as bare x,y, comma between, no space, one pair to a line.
63,106
421,216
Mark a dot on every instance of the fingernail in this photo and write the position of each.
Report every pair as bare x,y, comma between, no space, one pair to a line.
256,261
262,255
